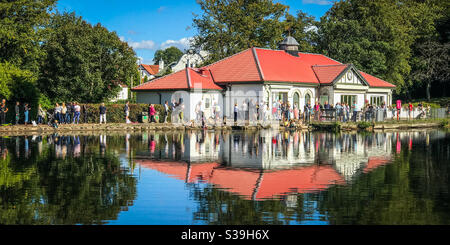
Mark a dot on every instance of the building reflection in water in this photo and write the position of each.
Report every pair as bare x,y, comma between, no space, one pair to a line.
223,171
254,165
271,164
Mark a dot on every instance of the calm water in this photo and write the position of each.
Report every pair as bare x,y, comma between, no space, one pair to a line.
267,177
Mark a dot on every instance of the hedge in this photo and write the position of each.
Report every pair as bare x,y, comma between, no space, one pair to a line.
114,113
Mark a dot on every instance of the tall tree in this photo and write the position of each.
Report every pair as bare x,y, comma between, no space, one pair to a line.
168,55
230,26
377,36
84,63
303,28
21,24
432,64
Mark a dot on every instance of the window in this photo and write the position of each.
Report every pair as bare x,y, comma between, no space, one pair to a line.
282,96
376,100
296,99
207,103
348,99
323,99
307,98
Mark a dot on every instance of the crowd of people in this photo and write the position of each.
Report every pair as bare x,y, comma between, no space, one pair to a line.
250,111
70,113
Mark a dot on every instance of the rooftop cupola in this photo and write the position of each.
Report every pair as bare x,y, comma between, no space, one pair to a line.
290,45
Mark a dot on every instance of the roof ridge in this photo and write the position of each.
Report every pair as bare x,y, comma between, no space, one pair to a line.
258,64
330,65
188,77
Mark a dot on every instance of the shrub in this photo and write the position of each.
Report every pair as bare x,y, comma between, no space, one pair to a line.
115,112
364,125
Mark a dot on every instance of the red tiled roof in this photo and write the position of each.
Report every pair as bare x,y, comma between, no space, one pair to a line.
258,65
245,183
375,162
301,180
201,79
240,67
327,74
280,66
184,79
375,81
152,69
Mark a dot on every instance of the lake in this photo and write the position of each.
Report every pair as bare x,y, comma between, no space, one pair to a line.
232,178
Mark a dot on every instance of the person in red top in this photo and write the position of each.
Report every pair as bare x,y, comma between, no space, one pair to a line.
399,107
152,112
410,106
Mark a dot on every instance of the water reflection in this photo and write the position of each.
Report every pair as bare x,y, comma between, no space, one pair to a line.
59,179
267,164
263,177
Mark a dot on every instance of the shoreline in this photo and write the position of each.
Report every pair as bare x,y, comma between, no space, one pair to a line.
143,127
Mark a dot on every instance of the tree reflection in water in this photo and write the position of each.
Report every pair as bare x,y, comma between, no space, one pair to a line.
261,177
61,180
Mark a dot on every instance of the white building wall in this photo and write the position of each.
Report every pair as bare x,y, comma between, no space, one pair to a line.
240,93
202,96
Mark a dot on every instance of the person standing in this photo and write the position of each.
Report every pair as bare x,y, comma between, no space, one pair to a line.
152,112
166,111
77,110
181,105
399,108
3,111
306,112
41,114
17,110
102,110
26,111
217,111
236,110
64,113
410,107
126,109
355,111
339,111
58,113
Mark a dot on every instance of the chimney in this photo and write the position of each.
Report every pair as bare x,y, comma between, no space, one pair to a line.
161,65
289,45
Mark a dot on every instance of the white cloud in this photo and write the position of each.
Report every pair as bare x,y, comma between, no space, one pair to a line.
144,44
319,2
311,28
182,44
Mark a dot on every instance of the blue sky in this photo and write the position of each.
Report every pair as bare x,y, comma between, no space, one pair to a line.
149,25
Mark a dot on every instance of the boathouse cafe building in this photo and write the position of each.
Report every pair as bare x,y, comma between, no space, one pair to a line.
258,75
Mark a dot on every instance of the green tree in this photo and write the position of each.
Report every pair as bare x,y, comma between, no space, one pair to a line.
168,55
83,62
432,64
230,26
303,28
21,25
378,36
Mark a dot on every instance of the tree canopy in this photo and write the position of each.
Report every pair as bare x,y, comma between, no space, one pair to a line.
21,26
384,38
168,55
378,37
230,26
83,62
